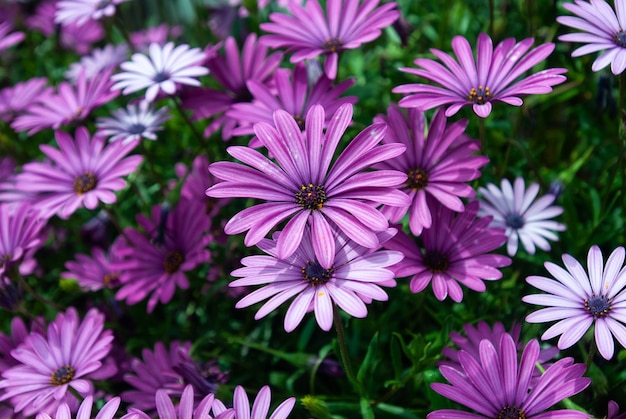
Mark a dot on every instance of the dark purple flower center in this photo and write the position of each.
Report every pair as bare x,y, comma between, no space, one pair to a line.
160,77
311,196
333,44
136,129
479,96
62,375
111,279
511,412
172,261
300,121
598,306
436,261
7,257
417,179
85,183
314,274
515,221
620,38
243,96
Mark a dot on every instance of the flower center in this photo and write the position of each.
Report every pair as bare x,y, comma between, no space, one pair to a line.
620,38
436,261
136,129
111,279
300,121
515,221
314,274
311,196
172,261
417,179
511,412
85,183
243,95
333,44
598,306
62,375
161,76
479,96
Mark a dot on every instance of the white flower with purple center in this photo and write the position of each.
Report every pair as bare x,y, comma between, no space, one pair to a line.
133,123
80,11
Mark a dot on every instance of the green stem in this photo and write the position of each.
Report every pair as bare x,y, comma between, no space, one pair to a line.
592,351
345,359
148,157
482,132
185,117
38,297
622,136
491,14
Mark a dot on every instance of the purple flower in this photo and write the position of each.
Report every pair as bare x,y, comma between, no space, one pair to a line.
294,94
601,30
155,263
8,38
196,183
100,59
95,272
82,172
69,356
141,40
513,209
496,385
310,32
80,11
578,300
107,411
490,79
306,187
16,99
260,407
454,252
163,68
20,228
438,164
351,279
613,412
133,123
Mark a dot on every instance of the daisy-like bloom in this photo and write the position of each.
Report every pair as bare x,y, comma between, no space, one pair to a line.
310,32
69,356
497,385
513,209
94,272
156,263
232,70
8,38
16,99
293,94
602,30
107,411
305,187
82,172
70,104
454,253
492,78
260,407
133,123
99,60
80,11
20,228
196,184
163,68
352,278
438,164
579,300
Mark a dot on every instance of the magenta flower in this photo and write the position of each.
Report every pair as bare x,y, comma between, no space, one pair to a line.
80,11
8,38
69,356
260,407
195,184
293,95
496,385
133,123
490,79
311,32
107,411
155,263
95,272
20,228
82,172
159,34
438,164
613,411
15,99
306,187
513,209
454,253
602,30
579,300
352,278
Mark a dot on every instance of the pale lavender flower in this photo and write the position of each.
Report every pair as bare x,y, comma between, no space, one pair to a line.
491,78
352,278
80,11
310,31
497,385
260,407
100,59
602,30
8,38
305,187
513,209
15,99
107,411
133,123
161,70
579,300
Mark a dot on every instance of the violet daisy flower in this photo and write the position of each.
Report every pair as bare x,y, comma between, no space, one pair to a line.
20,228
15,99
260,407
156,263
513,209
163,68
69,356
496,385
293,94
306,187
602,30
82,172
454,253
133,123
107,411
196,183
95,272
437,164
351,279
80,11
8,38
311,32
99,60
490,79
579,300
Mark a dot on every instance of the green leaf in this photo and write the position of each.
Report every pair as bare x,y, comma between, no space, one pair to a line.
370,362
366,409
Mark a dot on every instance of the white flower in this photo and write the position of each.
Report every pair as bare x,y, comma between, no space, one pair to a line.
80,11
132,123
